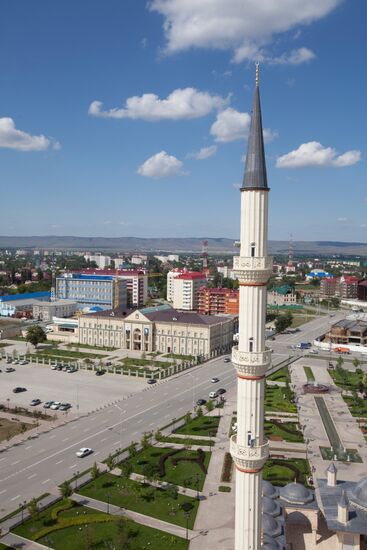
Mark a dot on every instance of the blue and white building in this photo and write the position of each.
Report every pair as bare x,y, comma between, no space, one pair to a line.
91,291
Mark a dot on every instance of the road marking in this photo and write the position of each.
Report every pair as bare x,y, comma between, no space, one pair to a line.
73,466
66,439
14,498
116,442
46,481
52,436
29,447
105,439
3,491
32,476
59,462
2,459
16,462
97,453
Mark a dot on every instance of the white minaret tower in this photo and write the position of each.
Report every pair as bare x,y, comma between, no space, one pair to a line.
249,448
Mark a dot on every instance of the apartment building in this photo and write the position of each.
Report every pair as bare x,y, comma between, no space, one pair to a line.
186,288
91,290
136,281
345,287
213,301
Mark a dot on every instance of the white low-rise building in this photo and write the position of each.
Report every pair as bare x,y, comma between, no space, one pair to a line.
45,311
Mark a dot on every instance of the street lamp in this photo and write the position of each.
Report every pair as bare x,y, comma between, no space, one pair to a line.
108,503
187,517
122,412
76,480
193,388
197,486
22,507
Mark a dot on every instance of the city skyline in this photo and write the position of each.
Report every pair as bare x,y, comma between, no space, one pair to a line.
113,125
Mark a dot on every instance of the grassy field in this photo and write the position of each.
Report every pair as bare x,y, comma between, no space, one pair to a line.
179,356
87,346
281,375
185,473
66,354
130,362
288,431
3,345
309,374
299,320
9,428
140,498
280,472
200,426
346,379
277,399
94,534
358,408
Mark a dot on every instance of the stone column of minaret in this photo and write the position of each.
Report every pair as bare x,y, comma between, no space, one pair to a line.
249,448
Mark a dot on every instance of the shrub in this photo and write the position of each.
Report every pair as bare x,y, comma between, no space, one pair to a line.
227,468
224,489
63,506
72,522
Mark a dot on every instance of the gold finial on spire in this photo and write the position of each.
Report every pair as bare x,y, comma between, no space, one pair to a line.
257,73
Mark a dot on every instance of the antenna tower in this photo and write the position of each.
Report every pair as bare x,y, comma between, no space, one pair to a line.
290,251
204,255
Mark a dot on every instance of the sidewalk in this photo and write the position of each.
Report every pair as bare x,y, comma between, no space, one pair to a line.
134,516
15,541
162,484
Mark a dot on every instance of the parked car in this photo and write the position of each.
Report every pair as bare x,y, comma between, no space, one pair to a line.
35,402
47,404
214,380
84,451
64,407
213,394
221,391
99,372
15,362
313,352
55,405
18,389
201,402
9,369
151,381
8,360
23,362
72,369
227,360
54,367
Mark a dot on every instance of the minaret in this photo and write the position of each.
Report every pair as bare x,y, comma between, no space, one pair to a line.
249,448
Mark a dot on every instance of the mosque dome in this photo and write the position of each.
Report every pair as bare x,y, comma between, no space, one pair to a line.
270,526
270,506
359,494
268,490
295,493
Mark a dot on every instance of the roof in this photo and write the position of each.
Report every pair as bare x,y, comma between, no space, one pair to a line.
191,275
110,272
25,296
255,168
284,289
362,283
189,317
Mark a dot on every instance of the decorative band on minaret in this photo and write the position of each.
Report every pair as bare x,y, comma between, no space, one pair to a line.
251,359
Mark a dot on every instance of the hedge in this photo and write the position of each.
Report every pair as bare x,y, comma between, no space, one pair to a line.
64,506
72,522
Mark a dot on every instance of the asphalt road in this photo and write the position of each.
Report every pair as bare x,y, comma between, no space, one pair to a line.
39,465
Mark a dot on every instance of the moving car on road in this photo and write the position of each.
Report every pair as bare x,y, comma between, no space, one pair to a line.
221,391
84,451
9,369
214,380
18,389
99,372
227,360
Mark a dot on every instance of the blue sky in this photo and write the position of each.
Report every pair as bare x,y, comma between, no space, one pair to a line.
84,150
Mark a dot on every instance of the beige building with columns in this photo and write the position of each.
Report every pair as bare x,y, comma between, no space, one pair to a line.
159,328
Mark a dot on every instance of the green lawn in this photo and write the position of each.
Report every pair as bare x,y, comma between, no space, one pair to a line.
280,472
279,399
346,379
281,375
130,362
66,354
95,535
184,474
88,346
309,374
288,431
3,345
140,498
186,441
299,320
200,425
358,408
179,356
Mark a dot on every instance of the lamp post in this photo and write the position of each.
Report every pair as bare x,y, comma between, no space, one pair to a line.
187,517
197,486
22,507
76,480
108,503
122,412
193,388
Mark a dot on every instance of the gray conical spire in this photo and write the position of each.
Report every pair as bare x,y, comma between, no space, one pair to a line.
255,170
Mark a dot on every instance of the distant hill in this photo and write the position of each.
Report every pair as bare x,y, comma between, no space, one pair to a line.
179,245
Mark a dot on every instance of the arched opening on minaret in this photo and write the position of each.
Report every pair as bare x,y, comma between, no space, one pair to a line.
251,344
253,249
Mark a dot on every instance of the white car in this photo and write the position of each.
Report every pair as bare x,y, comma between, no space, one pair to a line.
313,352
23,362
84,451
213,394
55,405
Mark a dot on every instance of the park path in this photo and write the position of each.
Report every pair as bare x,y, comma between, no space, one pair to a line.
134,516
16,541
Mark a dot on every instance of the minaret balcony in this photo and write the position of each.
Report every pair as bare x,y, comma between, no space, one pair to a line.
250,269
251,363
248,458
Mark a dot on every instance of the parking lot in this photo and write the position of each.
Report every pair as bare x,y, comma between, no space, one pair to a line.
82,389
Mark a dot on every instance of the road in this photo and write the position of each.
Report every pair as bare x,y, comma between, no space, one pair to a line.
38,466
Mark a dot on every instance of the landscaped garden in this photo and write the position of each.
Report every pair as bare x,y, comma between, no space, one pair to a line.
186,441
181,467
279,399
129,362
65,354
280,472
201,425
163,504
283,431
69,525
281,375
309,374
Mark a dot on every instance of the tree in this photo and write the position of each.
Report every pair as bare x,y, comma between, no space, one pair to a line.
122,535
110,462
65,489
187,417
94,471
36,335
209,405
145,440
339,365
356,362
33,508
126,471
150,472
158,435
199,412
282,322
132,449
172,491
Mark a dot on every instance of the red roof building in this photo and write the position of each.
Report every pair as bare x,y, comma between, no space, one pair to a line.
213,301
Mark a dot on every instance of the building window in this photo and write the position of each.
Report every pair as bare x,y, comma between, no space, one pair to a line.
252,250
251,344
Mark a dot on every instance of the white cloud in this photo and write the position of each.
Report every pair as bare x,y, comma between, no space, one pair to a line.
12,138
342,220
180,104
203,153
315,154
230,125
295,57
160,166
244,26
236,185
